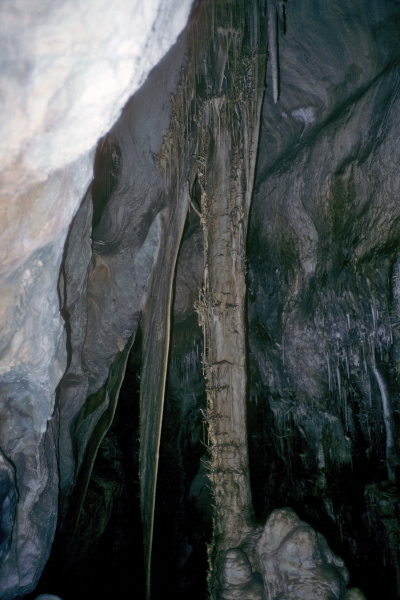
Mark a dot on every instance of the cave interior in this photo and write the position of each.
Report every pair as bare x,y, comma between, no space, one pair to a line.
237,250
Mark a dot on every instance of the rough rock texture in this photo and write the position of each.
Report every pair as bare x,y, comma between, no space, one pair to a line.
296,561
323,286
81,65
238,580
322,295
8,504
323,250
228,125
66,71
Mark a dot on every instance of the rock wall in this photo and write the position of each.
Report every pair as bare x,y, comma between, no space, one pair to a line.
66,72
323,251
322,292
322,255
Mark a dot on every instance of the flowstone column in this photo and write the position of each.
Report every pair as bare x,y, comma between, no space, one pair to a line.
228,127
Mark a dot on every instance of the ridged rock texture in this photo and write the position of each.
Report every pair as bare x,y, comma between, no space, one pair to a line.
200,299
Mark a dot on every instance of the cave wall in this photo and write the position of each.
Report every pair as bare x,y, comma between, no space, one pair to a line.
66,72
322,296
322,288
323,250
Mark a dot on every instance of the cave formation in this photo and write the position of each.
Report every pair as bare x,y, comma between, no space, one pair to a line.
200,307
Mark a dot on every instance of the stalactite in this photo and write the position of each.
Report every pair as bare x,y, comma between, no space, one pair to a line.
156,333
273,47
388,422
175,161
225,117
228,127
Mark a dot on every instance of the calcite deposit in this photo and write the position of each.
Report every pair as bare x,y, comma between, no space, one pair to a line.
200,299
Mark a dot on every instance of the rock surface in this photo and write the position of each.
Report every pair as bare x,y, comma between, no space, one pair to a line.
66,71
296,561
238,580
323,286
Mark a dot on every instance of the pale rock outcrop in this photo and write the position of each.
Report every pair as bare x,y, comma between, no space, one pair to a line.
66,70
296,561
238,580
